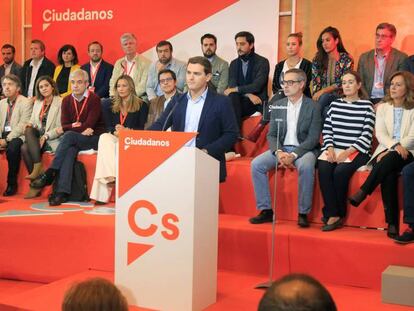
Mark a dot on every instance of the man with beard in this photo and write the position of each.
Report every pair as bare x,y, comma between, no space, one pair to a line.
9,65
248,78
220,69
99,71
165,61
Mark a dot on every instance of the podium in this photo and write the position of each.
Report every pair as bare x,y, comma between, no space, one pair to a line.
166,222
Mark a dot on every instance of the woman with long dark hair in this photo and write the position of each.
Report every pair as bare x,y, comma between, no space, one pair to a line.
394,129
68,62
328,66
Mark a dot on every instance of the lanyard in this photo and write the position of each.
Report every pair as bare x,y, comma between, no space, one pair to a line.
377,67
78,114
126,71
44,110
94,73
122,118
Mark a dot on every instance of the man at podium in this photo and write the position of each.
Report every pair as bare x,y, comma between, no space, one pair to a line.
204,111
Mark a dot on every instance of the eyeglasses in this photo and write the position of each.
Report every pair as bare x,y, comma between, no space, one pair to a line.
290,82
382,37
166,80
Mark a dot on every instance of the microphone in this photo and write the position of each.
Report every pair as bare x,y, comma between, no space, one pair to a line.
276,108
174,102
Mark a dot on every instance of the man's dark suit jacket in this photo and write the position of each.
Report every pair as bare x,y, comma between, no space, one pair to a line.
15,69
260,75
366,68
217,129
47,68
102,78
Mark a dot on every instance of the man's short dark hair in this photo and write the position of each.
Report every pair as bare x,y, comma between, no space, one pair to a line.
40,42
390,27
209,36
248,35
9,46
164,43
297,292
95,42
203,62
172,73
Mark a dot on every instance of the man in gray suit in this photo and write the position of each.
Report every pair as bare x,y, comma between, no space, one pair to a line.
299,129
376,66
220,71
9,65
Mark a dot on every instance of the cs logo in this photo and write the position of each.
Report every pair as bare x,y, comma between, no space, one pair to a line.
168,228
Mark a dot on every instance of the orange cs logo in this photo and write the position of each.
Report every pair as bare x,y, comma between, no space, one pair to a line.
168,221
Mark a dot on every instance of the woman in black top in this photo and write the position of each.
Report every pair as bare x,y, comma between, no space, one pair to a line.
128,112
68,62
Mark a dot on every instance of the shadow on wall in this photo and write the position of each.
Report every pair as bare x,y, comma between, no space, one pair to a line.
407,44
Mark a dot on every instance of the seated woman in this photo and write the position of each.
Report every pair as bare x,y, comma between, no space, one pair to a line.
43,130
394,128
347,137
128,112
329,65
293,60
68,62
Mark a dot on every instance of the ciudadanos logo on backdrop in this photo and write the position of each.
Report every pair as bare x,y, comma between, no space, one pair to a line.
56,16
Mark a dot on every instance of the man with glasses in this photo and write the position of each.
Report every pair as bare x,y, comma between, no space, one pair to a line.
168,82
165,61
298,120
376,66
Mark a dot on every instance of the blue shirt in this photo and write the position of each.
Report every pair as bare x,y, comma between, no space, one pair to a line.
193,114
398,113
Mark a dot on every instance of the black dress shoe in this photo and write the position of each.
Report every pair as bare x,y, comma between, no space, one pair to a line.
393,231
57,199
336,225
10,190
265,215
303,221
42,181
357,198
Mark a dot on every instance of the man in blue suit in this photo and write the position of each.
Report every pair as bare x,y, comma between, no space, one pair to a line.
204,111
99,71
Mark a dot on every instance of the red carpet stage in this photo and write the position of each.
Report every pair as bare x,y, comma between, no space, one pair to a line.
40,256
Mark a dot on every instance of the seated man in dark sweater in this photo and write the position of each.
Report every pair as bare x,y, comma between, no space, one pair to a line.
248,78
82,123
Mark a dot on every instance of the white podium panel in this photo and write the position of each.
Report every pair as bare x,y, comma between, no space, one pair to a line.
166,224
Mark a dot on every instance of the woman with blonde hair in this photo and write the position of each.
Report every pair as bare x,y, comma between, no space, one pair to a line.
43,131
394,128
128,112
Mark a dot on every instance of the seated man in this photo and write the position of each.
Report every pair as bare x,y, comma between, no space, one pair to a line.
133,64
82,123
299,131
15,111
168,82
376,66
165,61
203,111
248,77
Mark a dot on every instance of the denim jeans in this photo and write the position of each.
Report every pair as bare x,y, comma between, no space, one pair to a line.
268,161
408,190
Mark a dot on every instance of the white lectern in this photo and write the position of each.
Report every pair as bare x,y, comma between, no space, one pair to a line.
166,222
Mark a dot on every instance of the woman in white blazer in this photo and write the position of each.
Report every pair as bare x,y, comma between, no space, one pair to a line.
394,129
43,131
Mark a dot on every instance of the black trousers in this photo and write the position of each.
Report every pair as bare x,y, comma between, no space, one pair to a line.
243,107
13,155
334,180
385,173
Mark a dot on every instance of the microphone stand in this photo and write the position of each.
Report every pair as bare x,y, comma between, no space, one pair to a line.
272,248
